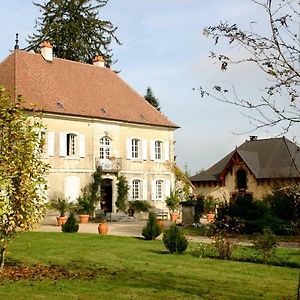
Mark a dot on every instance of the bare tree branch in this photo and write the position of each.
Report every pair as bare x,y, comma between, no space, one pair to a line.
276,54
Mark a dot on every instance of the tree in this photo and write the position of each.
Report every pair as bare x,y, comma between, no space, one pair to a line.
22,171
151,98
275,53
74,30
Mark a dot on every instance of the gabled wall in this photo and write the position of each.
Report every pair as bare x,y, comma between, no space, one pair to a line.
258,188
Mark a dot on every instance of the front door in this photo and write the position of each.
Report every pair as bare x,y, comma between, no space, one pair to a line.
106,195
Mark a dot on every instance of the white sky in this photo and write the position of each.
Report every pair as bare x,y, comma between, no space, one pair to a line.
163,47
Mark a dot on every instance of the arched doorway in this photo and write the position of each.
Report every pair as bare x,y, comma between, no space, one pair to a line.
106,195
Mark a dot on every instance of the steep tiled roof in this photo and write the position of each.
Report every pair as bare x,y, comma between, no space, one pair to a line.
266,158
72,88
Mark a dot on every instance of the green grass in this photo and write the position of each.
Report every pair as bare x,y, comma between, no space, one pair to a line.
131,268
284,257
205,231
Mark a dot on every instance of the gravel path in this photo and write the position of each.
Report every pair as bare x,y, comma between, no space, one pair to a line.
135,229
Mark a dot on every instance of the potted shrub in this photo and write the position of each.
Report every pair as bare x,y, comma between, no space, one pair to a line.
102,227
84,208
173,205
138,206
210,208
62,206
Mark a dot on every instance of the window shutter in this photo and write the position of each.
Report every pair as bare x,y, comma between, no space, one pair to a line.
153,190
129,194
145,190
81,145
62,144
72,188
50,143
144,149
167,150
129,149
167,188
152,150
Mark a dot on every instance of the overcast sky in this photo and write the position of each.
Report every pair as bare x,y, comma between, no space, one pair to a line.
163,47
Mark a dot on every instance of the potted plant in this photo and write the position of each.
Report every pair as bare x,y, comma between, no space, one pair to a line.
173,205
138,206
62,206
209,208
102,227
84,208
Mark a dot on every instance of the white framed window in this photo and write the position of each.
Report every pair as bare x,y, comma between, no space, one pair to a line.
71,144
136,189
158,189
158,150
135,148
105,148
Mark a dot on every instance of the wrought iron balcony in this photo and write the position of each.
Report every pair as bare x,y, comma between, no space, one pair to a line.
112,164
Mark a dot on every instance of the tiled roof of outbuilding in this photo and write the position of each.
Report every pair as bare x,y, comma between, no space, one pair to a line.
78,89
266,158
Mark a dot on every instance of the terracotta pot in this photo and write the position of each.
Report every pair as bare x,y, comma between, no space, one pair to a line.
103,228
161,224
210,217
84,219
174,216
61,220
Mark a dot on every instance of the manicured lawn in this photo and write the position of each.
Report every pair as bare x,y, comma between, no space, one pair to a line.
112,267
204,231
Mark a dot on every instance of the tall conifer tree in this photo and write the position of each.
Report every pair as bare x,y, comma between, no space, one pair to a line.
74,29
152,99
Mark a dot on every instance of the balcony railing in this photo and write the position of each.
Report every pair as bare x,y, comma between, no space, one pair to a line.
109,165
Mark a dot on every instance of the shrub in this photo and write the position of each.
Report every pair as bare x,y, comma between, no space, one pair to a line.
71,224
284,204
209,205
266,244
84,205
174,240
223,245
61,205
173,201
122,198
138,206
152,230
199,208
245,215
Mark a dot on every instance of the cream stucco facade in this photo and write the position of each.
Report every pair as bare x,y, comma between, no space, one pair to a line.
73,152
256,168
257,188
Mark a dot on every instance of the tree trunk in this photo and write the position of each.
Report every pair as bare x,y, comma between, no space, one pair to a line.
2,257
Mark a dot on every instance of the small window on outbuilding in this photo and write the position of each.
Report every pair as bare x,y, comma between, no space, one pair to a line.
241,178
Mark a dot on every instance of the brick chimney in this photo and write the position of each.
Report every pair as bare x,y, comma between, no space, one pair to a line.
47,51
99,61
